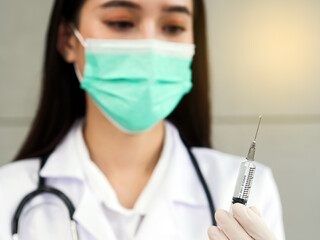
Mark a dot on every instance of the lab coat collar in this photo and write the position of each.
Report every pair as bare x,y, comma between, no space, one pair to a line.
89,215
63,162
181,186
183,183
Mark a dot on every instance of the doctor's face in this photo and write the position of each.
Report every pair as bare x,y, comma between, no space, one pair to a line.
167,20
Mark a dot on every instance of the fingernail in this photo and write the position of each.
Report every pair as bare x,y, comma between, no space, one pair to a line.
239,209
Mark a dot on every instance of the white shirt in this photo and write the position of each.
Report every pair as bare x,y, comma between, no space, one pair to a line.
179,210
124,222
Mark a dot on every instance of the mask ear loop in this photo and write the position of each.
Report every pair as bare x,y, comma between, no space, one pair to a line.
78,35
84,44
78,74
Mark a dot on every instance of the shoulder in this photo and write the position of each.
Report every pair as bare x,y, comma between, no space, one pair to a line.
223,163
18,177
211,156
15,172
16,180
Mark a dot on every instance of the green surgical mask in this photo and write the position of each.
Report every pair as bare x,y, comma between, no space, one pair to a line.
136,83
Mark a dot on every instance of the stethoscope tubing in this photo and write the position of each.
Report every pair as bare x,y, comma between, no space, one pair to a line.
42,188
204,185
37,192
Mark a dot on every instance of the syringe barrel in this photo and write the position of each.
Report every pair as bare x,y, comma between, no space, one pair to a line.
244,182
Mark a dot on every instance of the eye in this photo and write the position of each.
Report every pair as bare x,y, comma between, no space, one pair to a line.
174,29
121,25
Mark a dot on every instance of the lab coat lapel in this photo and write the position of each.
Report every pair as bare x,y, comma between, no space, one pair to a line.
183,183
62,171
180,187
89,215
160,222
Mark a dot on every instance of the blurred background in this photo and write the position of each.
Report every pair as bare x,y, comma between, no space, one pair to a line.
264,58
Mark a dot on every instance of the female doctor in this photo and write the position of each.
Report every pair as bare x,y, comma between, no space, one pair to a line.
124,98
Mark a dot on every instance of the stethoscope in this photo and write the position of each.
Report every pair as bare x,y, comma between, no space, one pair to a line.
43,188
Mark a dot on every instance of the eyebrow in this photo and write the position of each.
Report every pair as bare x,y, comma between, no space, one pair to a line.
129,4
178,9
120,3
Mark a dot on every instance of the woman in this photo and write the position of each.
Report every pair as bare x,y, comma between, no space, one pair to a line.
117,91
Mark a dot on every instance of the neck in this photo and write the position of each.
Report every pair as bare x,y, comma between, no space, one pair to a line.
115,151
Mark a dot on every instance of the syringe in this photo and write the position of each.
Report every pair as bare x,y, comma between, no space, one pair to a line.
246,174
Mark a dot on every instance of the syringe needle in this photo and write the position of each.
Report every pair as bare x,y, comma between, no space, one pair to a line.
255,138
252,148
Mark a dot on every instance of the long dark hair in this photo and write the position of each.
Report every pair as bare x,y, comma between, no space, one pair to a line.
63,101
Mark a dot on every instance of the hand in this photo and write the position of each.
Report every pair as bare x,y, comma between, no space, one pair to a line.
245,224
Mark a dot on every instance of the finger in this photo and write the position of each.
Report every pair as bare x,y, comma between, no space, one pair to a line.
252,223
229,225
215,233
255,210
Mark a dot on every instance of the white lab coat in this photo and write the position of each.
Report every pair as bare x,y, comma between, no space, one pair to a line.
179,213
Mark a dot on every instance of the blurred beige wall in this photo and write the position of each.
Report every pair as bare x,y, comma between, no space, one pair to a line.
264,60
